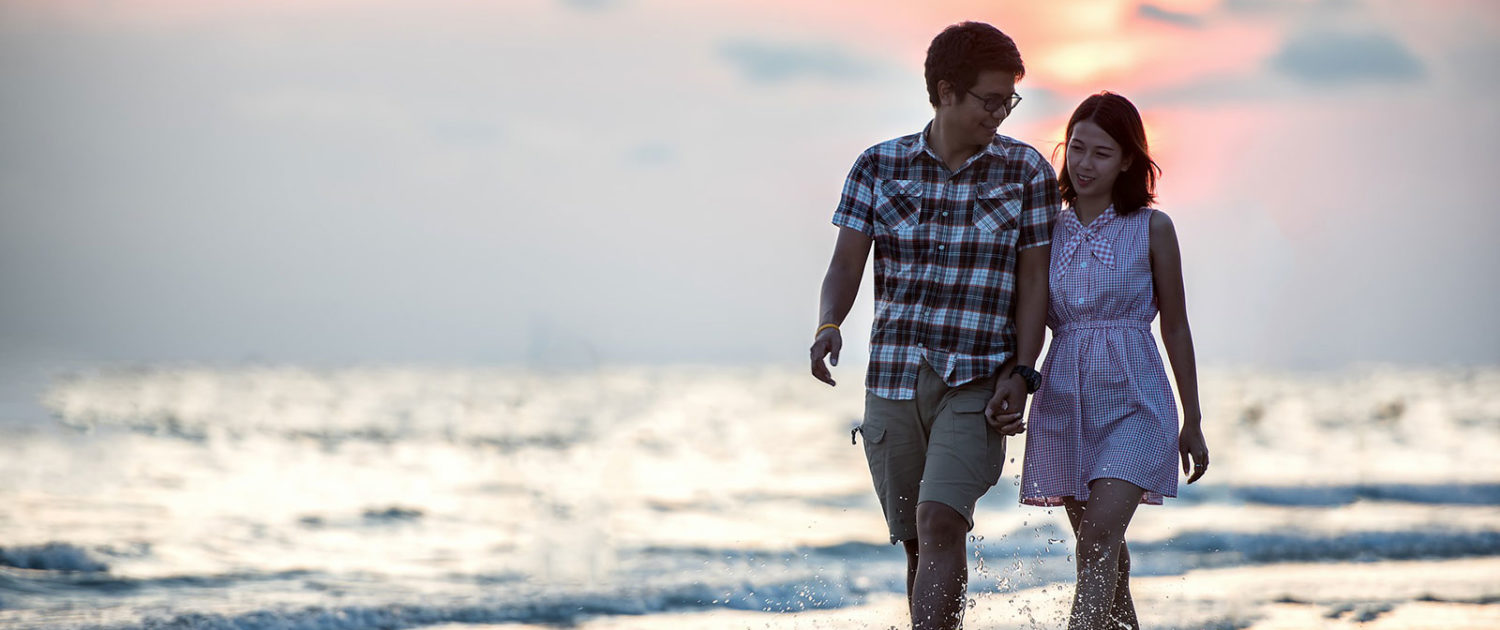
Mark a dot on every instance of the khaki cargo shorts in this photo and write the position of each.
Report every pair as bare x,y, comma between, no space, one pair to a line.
935,447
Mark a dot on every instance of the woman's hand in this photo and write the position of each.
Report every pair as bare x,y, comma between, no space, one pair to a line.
1190,444
1003,413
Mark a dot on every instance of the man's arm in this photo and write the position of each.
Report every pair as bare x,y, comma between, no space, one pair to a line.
1031,304
1041,205
840,286
1004,411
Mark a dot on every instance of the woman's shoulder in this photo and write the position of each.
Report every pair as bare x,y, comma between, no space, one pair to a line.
1161,228
1156,216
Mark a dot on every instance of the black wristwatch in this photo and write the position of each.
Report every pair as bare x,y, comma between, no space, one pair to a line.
1033,377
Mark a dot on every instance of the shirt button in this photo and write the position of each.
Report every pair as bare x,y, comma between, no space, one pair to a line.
941,246
1080,300
1084,264
945,214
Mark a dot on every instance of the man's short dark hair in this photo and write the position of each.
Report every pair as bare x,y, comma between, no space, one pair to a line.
962,51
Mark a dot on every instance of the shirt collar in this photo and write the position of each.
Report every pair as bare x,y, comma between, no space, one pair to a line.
920,146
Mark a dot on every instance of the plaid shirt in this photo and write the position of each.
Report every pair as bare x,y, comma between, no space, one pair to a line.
946,247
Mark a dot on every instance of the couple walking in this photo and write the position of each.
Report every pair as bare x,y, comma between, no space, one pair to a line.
974,256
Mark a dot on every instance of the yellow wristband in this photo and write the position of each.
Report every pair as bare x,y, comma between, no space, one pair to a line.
825,326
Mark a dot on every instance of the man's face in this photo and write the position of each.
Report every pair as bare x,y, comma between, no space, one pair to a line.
965,111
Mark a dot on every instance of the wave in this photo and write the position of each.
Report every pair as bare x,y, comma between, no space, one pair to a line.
1345,494
503,410
59,582
558,609
561,610
673,579
1233,548
52,556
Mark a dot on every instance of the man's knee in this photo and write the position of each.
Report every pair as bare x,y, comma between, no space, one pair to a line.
940,523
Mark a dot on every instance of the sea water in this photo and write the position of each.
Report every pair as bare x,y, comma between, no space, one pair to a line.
273,497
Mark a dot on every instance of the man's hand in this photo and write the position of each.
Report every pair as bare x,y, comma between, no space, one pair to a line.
1004,411
828,342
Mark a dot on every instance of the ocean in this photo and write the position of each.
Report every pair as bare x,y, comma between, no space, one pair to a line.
277,497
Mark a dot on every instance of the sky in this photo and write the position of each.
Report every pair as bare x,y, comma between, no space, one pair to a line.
586,182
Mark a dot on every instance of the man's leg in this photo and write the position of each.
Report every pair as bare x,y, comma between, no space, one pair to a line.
964,457
1101,538
942,569
1122,610
911,569
895,447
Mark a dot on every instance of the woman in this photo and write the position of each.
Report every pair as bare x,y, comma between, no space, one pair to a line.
1104,436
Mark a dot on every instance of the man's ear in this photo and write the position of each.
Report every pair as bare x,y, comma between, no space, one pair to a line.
946,94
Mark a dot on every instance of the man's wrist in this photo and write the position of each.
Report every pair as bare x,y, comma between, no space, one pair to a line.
1029,376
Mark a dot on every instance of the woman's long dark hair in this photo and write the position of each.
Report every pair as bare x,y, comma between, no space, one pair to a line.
1136,187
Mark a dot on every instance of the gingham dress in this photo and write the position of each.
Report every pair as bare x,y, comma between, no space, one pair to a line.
1105,408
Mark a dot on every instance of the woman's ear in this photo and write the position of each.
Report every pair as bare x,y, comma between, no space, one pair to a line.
1125,163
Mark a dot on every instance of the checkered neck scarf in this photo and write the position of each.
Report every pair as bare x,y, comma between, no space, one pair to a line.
1100,247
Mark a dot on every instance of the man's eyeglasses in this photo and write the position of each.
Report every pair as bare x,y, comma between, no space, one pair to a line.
992,103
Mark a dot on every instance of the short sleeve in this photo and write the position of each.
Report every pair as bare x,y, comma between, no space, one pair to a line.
856,204
1039,207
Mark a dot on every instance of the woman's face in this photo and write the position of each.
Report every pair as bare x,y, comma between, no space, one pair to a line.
1094,160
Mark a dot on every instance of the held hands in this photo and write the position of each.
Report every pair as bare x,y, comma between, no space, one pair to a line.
827,342
1190,442
1004,410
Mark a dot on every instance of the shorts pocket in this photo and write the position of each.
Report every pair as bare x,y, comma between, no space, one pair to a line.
877,453
988,445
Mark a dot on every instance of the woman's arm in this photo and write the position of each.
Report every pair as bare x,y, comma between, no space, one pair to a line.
1171,300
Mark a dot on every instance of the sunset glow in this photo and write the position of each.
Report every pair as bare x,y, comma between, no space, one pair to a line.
474,122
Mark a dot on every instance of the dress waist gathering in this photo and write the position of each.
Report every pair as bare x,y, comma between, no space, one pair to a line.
1094,324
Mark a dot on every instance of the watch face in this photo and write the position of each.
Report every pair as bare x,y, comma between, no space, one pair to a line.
1033,378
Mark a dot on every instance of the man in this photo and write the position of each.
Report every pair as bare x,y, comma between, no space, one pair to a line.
960,219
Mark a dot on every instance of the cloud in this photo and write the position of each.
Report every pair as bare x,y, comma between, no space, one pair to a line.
652,154
591,5
776,63
1176,18
1323,57
1284,6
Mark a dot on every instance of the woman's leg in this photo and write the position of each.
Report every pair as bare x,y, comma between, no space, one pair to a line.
1101,539
1122,611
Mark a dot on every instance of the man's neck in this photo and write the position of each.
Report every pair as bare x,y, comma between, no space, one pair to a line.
949,151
